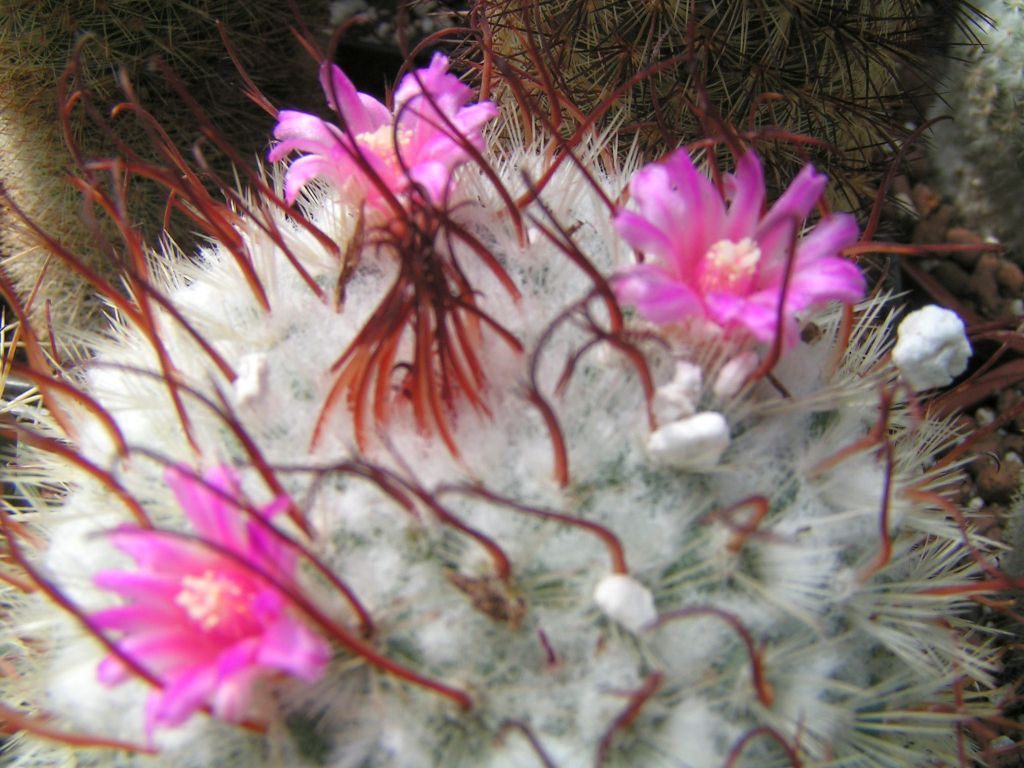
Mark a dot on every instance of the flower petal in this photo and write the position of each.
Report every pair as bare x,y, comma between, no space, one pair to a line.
775,233
206,504
356,113
705,211
745,190
830,236
831,278
643,235
183,695
656,294
290,646
445,90
757,313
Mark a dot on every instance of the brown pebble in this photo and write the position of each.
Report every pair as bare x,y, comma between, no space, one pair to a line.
998,481
989,521
932,230
925,200
983,284
952,277
964,236
1010,278
901,186
1008,399
983,453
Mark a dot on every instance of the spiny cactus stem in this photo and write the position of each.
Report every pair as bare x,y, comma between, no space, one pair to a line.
531,738
635,357
46,382
766,731
610,540
146,287
585,128
502,565
876,435
267,224
559,449
637,699
19,584
843,336
743,530
51,445
15,722
973,589
402,492
53,246
202,210
885,536
761,686
916,493
11,532
453,229
564,242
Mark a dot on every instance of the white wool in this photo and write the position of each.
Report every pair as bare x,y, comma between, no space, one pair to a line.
680,396
734,374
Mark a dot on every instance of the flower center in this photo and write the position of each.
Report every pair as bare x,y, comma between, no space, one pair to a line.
382,143
213,601
729,266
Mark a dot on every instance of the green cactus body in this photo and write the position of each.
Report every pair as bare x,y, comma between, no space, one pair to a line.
979,154
37,41
829,71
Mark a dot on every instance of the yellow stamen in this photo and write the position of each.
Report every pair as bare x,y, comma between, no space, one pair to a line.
210,599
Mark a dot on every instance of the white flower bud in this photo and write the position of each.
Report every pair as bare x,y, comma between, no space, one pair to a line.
931,347
625,600
696,442
252,375
734,374
679,397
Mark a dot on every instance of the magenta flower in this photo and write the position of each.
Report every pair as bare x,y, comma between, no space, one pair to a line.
421,143
208,625
728,264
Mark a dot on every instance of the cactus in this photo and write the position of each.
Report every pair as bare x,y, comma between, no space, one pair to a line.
829,71
979,155
37,40
390,477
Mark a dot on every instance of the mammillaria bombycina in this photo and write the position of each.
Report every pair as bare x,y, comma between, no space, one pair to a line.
534,529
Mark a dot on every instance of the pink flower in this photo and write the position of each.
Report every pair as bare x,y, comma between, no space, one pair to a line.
207,625
728,264
427,135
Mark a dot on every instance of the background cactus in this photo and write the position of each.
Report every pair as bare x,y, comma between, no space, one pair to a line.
37,40
979,154
830,71
468,493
